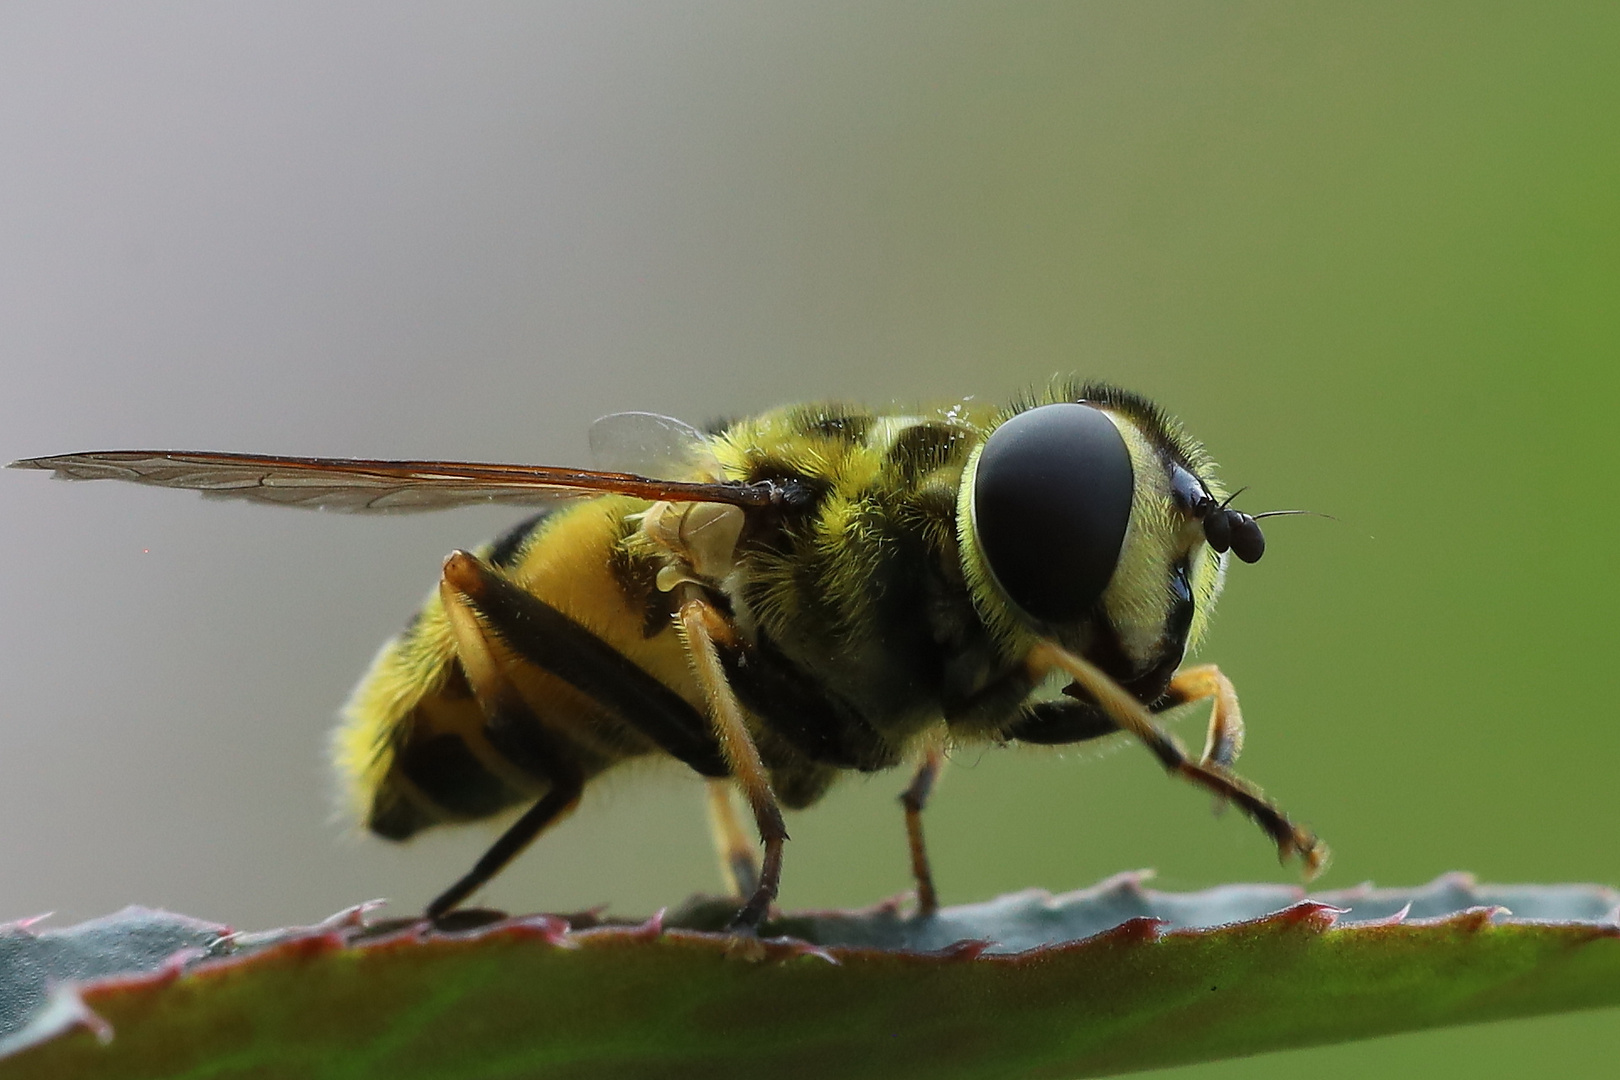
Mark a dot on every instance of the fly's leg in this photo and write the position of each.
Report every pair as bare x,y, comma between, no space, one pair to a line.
739,868
1134,717
1062,722
914,799
1225,738
538,634
512,728
701,624
552,807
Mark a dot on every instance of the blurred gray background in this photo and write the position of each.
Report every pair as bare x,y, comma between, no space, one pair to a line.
1372,258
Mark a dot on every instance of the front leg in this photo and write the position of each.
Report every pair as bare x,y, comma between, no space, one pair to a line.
1081,718
1054,723
1132,716
1225,738
1059,723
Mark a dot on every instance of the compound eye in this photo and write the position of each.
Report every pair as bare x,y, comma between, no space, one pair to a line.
1052,498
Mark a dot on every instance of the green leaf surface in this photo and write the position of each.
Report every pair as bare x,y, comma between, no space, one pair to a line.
1112,979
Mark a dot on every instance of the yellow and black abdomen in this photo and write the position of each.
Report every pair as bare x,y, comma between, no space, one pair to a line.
411,749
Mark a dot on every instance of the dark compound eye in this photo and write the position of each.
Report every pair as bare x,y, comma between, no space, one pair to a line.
1052,498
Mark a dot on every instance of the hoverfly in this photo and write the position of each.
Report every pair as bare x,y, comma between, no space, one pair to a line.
779,600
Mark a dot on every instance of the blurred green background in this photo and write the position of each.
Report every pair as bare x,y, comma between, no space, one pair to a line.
1371,256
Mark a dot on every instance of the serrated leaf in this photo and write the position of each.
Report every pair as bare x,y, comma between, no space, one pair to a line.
1112,979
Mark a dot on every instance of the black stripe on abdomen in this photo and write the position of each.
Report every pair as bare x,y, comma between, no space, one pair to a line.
396,815
447,772
508,548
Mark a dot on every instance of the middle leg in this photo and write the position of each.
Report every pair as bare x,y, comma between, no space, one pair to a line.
702,625
739,868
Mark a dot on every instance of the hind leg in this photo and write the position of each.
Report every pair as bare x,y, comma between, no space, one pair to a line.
915,799
516,733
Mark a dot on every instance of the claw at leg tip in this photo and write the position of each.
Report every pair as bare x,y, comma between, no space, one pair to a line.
1316,859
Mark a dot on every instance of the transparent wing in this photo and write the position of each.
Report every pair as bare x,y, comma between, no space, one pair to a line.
652,445
353,485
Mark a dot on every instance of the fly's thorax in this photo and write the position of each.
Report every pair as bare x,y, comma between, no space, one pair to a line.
843,583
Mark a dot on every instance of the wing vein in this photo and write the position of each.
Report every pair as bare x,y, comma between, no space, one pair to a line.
361,485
